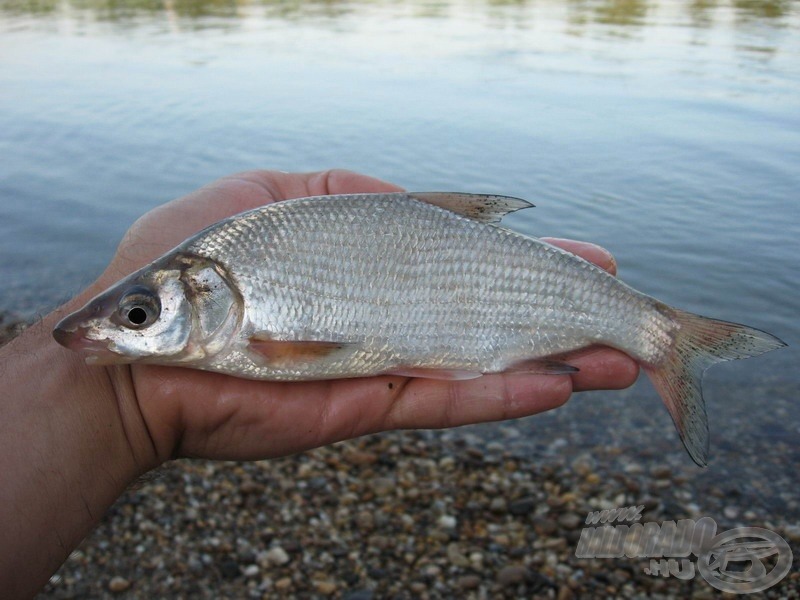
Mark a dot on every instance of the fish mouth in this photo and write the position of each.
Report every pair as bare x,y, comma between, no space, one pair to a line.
76,337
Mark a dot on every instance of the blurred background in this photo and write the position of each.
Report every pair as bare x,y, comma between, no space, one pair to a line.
666,130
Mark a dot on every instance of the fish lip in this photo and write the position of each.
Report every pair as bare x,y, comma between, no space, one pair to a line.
75,337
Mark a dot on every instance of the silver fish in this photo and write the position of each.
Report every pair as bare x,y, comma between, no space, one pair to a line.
422,284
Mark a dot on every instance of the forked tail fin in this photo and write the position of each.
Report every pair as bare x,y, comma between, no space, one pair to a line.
699,343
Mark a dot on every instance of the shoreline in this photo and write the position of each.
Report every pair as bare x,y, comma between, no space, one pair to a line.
396,515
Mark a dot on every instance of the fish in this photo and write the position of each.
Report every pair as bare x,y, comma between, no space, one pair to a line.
412,284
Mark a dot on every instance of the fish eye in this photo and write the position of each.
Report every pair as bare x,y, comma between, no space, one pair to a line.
139,308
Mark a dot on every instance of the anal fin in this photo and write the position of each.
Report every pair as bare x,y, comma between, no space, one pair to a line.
446,374
542,366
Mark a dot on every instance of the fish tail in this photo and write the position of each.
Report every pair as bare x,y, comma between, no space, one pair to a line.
698,343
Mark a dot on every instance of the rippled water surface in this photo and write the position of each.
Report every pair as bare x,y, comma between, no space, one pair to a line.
667,131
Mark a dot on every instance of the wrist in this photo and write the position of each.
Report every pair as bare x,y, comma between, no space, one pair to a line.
71,441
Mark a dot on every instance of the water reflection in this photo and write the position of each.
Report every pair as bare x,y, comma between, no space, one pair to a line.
621,12
624,13
763,9
700,12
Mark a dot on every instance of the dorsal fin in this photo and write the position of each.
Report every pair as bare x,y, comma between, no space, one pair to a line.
484,208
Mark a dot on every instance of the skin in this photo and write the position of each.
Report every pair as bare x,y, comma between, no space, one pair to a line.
74,437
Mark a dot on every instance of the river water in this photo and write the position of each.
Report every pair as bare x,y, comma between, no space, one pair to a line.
667,131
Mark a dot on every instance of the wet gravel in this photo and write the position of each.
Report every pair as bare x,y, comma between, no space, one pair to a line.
490,511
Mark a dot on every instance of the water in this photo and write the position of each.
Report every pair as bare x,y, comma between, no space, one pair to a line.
667,131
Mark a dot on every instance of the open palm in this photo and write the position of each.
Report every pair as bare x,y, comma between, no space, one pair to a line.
196,413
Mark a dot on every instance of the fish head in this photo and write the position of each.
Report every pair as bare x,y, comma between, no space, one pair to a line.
179,309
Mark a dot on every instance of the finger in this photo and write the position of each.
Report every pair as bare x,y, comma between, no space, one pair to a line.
280,185
339,181
602,369
427,403
591,252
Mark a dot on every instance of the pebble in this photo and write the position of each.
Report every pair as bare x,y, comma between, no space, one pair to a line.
468,582
283,584
251,571
513,575
325,588
383,485
792,533
544,526
498,505
373,517
476,559
360,457
118,584
229,568
565,593
456,556
277,556
522,506
661,472
570,521
359,595
365,520
447,522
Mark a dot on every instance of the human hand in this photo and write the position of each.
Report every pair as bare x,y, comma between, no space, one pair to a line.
186,412
73,436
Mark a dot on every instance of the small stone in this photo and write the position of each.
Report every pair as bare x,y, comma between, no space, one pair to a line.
447,463
522,506
447,522
251,571
360,457
250,487
661,472
512,575
564,593
730,512
468,582
325,588
229,568
382,486
498,505
456,556
476,559
432,571
365,520
118,584
359,595
570,521
792,533
501,539
544,527
277,556
283,584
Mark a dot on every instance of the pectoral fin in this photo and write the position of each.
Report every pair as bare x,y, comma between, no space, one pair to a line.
282,352
483,208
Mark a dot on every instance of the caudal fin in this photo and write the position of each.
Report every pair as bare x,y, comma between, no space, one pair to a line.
699,343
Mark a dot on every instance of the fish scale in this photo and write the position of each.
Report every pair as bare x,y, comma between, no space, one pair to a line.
350,277
406,284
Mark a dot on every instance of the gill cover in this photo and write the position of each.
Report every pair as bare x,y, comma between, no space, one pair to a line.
179,309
